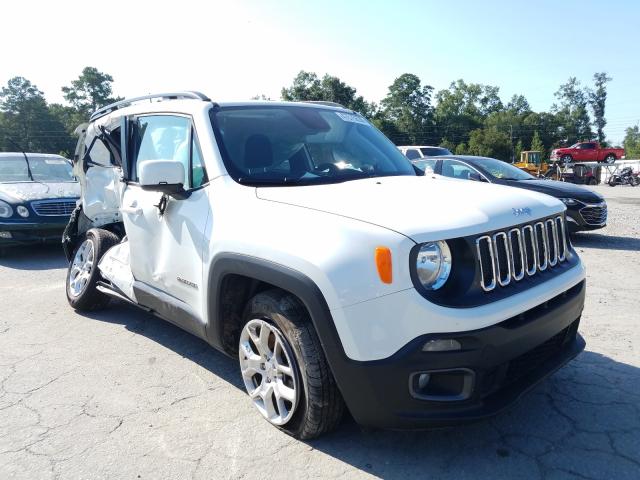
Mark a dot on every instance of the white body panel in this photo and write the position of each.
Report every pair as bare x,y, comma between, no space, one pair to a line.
329,234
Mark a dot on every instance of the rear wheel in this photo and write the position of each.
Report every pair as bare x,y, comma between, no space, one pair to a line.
610,158
83,274
284,368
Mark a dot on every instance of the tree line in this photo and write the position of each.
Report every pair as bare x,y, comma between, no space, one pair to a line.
466,118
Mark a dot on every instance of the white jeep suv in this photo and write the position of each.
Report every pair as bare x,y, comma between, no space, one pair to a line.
298,239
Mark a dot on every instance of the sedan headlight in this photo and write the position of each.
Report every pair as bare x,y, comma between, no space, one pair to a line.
433,264
5,210
569,201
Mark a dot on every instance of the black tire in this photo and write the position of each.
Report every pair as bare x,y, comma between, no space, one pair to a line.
565,159
320,405
612,182
89,298
592,181
610,158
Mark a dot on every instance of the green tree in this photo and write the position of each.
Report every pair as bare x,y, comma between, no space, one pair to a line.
598,100
518,150
572,114
490,142
27,122
308,87
464,107
537,145
408,106
90,91
631,142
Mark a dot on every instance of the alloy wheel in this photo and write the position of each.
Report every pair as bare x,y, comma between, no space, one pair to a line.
269,371
81,268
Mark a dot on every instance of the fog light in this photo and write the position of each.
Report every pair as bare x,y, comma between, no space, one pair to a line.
442,385
5,234
423,380
22,211
441,345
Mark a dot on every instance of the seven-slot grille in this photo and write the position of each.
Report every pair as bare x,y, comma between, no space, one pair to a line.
594,214
521,251
54,208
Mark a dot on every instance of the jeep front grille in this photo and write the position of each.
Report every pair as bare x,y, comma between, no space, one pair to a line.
54,208
511,255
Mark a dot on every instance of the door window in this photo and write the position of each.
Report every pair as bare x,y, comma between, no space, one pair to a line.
168,137
455,169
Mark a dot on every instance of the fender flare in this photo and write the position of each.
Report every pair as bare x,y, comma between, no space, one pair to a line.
279,276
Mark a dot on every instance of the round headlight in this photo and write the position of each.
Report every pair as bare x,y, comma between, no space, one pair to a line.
22,211
5,210
433,264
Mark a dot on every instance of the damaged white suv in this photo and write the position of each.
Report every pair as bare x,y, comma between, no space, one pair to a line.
297,238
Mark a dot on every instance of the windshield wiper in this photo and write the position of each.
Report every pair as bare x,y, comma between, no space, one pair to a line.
26,159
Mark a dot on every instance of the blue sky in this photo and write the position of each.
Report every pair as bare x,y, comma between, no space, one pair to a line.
234,50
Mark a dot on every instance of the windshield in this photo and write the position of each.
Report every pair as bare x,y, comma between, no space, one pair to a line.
504,171
299,145
43,169
434,151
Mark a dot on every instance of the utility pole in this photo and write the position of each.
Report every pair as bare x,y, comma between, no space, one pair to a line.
511,139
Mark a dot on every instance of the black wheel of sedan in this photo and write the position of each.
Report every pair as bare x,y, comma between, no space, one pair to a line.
565,159
610,158
83,274
284,368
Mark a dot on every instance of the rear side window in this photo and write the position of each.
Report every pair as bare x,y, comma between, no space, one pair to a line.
412,154
168,137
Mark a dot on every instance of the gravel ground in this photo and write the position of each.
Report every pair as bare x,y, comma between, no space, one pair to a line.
121,394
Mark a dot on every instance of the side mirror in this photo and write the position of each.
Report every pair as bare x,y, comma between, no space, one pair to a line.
476,177
166,176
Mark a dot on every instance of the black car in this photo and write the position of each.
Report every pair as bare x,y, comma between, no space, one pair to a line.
586,209
37,196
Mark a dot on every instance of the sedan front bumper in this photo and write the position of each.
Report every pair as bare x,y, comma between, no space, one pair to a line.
27,233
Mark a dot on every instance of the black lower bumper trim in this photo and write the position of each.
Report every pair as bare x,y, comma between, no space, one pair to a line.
508,359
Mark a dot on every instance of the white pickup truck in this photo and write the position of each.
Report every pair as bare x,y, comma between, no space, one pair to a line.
296,238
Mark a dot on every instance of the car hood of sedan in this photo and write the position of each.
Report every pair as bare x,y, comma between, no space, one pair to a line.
29,191
421,208
558,189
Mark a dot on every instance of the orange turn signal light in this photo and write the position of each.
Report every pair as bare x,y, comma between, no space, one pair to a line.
383,263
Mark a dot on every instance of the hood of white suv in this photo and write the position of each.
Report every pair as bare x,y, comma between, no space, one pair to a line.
421,208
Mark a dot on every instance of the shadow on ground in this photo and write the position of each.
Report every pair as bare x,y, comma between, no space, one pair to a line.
606,242
592,404
33,257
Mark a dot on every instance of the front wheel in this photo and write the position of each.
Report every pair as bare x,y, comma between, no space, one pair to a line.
610,158
284,368
613,182
565,159
83,274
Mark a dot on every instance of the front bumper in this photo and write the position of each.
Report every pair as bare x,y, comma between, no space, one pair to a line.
27,233
505,361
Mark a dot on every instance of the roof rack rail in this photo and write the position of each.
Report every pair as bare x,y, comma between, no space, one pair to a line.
129,101
325,102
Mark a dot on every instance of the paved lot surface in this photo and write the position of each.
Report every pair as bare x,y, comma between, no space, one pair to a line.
121,394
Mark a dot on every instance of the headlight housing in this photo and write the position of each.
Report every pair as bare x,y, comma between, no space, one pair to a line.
569,202
433,264
5,210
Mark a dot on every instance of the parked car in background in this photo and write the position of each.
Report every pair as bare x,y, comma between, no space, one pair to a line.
38,193
586,209
416,152
587,152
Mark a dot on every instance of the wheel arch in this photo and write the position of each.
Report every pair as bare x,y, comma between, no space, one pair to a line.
235,278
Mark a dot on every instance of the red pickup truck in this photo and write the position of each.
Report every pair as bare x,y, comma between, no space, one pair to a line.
587,152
